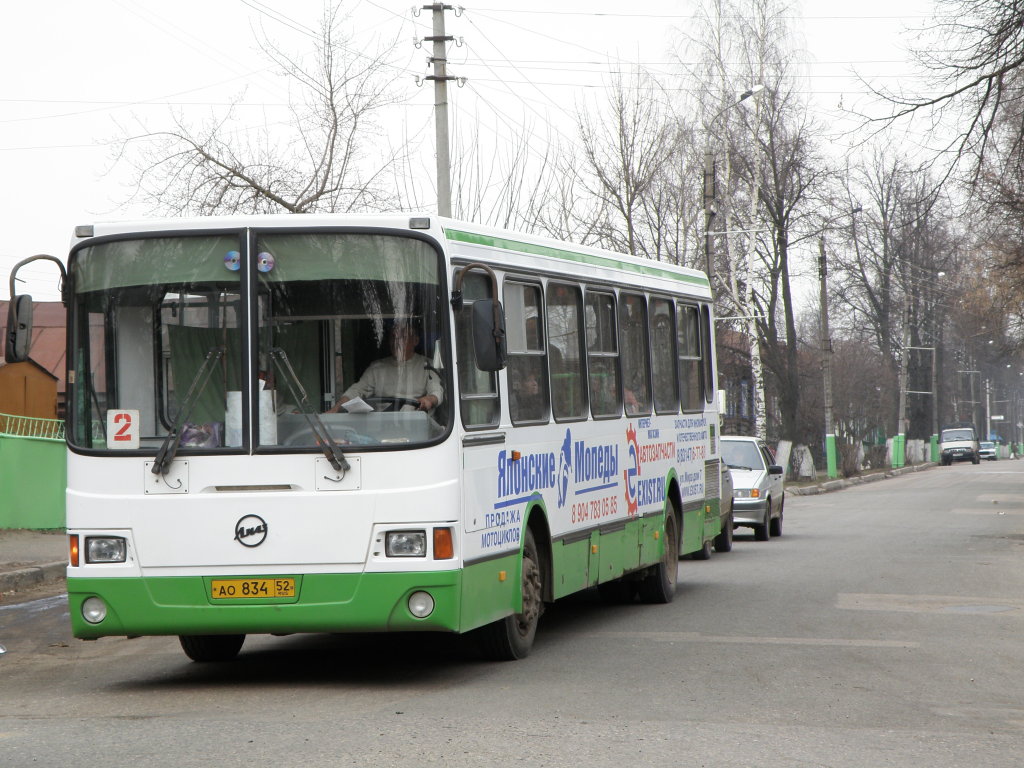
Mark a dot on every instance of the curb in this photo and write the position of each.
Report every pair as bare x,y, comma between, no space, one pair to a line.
838,485
33,576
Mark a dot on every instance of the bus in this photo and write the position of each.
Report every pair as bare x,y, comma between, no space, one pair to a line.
222,483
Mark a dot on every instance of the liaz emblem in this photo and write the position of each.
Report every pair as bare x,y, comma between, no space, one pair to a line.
251,531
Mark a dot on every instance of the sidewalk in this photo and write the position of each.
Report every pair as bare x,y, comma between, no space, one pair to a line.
826,486
31,558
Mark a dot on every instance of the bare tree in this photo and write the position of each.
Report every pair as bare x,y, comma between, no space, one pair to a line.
329,156
973,52
894,271
771,173
625,148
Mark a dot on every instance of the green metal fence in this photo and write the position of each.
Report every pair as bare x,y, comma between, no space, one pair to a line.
33,472
26,426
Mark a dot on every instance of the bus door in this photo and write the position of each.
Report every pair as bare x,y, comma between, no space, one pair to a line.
483,440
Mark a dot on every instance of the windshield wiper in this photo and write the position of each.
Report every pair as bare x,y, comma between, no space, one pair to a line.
169,447
330,448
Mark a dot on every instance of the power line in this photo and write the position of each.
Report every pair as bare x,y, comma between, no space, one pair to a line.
689,16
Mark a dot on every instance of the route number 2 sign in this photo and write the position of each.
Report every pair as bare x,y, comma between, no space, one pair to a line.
123,430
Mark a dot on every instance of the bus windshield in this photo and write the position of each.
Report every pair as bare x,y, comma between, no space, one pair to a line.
352,325
166,338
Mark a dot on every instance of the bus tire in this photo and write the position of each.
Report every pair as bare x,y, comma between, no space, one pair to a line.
659,586
511,638
208,648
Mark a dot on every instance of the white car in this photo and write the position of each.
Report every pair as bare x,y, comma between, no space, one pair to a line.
759,492
987,450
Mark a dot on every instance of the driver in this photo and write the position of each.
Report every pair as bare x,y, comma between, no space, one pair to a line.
405,374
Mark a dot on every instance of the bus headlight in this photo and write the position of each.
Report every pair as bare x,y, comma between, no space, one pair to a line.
421,604
94,610
406,544
105,549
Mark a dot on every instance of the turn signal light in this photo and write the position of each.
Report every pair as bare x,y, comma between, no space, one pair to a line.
444,548
73,549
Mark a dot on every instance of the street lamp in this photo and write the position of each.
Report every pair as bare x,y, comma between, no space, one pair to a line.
709,178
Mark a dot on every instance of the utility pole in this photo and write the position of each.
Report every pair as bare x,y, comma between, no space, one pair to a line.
439,60
988,408
709,180
900,442
935,400
826,364
709,212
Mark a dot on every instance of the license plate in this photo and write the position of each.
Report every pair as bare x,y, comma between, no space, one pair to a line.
232,589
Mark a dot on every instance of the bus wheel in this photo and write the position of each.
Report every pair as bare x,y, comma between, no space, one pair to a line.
659,586
204,648
511,638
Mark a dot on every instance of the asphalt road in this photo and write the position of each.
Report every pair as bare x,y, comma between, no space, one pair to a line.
883,629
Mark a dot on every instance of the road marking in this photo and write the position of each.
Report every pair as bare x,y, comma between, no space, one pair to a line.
991,509
1012,499
1008,716
697,637
931,604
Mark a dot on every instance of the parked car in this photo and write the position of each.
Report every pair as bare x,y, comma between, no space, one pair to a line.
987,450
759,493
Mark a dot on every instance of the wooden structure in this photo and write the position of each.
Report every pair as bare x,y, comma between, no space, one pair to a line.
28,389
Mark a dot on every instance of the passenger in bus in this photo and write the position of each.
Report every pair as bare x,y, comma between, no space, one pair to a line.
528,396
405,374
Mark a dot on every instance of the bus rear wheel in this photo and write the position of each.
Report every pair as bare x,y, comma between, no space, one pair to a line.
511,638
659,586
209,648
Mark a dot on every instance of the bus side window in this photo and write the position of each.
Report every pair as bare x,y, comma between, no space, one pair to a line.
691,374
527,363
565,321
478,390
603,355
707,335
663,356
636,364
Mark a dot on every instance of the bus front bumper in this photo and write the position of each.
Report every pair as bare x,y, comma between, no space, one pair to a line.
183,605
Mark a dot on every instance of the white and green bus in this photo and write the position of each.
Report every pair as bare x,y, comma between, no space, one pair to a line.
221,483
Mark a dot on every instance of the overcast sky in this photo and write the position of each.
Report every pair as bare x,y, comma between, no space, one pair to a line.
78,75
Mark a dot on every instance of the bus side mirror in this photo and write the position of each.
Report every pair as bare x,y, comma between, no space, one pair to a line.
19,329
489,334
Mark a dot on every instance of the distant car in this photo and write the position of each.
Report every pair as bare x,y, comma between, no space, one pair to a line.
987,450
958,444
759,493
